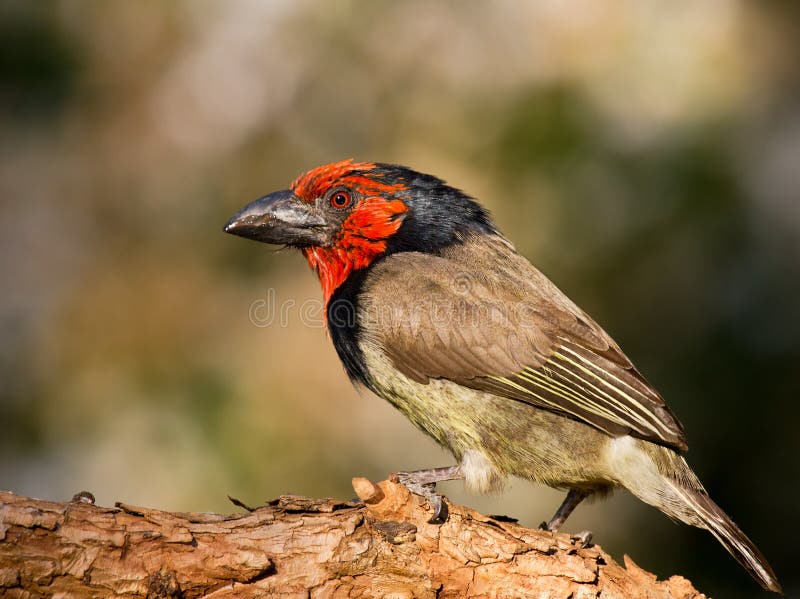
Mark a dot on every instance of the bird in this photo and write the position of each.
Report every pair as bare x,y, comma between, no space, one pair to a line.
430,307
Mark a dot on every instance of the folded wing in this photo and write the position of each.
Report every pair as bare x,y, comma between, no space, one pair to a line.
510,332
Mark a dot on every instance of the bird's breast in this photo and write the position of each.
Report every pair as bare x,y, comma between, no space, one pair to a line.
502,436
441,408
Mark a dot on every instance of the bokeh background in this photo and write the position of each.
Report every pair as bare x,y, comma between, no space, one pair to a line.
645,155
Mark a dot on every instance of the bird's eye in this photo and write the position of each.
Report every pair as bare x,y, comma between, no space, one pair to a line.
341,200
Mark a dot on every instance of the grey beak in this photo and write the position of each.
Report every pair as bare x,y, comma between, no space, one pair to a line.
280,218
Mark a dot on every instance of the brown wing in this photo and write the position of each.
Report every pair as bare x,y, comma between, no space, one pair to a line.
508,330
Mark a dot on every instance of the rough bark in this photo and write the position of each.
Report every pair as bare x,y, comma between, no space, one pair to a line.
299,547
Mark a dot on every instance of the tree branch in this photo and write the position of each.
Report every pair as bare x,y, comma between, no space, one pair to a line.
300,547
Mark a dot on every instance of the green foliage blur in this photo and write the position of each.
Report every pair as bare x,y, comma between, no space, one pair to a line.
646,156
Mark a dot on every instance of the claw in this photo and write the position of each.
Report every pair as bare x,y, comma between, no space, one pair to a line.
440,512
420,483
583,537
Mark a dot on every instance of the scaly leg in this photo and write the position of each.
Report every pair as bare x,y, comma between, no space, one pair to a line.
423,482
571,501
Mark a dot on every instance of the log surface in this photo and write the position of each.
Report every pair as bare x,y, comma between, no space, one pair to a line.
300,547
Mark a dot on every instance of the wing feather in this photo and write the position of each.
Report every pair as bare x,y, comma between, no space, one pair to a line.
511,332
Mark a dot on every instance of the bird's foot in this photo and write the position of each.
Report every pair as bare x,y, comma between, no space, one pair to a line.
428,491
423,483
553,526
583,537
573,498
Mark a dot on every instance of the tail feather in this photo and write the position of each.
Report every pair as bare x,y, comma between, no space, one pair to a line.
661,477
718,523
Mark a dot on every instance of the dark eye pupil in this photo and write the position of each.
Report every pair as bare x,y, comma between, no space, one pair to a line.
340,200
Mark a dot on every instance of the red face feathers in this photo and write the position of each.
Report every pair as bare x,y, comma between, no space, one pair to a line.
372,211
345,215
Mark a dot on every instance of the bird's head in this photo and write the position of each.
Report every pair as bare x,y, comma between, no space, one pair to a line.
345,215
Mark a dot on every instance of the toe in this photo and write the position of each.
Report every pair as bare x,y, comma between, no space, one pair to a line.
584,538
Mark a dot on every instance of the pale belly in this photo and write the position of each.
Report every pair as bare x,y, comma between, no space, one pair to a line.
495,437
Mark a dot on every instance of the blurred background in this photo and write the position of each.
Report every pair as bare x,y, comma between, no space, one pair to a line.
644,155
